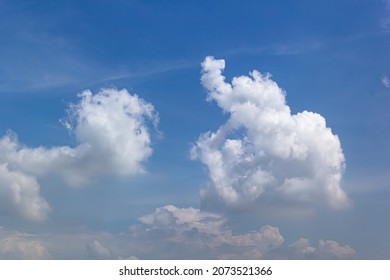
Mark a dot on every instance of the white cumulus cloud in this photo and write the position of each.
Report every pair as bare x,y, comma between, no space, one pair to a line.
205,233
327,249
97,250
16,245
263,150
112,131
332,249
20,195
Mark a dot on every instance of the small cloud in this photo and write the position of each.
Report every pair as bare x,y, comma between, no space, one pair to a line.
386,19
326,249
331,249
385,81
302,247
98,251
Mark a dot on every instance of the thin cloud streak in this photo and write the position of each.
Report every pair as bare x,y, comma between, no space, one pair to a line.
276,49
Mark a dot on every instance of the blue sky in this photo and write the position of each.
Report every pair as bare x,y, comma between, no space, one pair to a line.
82,181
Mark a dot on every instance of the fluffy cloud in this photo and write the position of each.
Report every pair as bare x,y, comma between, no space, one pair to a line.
263,150
20,193
193,228
97,250
112,131
327,249
15,245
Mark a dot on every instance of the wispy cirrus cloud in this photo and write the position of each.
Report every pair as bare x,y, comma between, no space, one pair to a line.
277,49
37,57
51,63
385,23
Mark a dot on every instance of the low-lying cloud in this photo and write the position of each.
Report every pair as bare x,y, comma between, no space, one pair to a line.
326,249
207,235
168,233
112,129
265,151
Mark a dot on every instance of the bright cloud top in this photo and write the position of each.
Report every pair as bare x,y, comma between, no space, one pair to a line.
112,131
263,149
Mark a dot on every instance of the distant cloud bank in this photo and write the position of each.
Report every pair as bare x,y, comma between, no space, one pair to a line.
169,233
